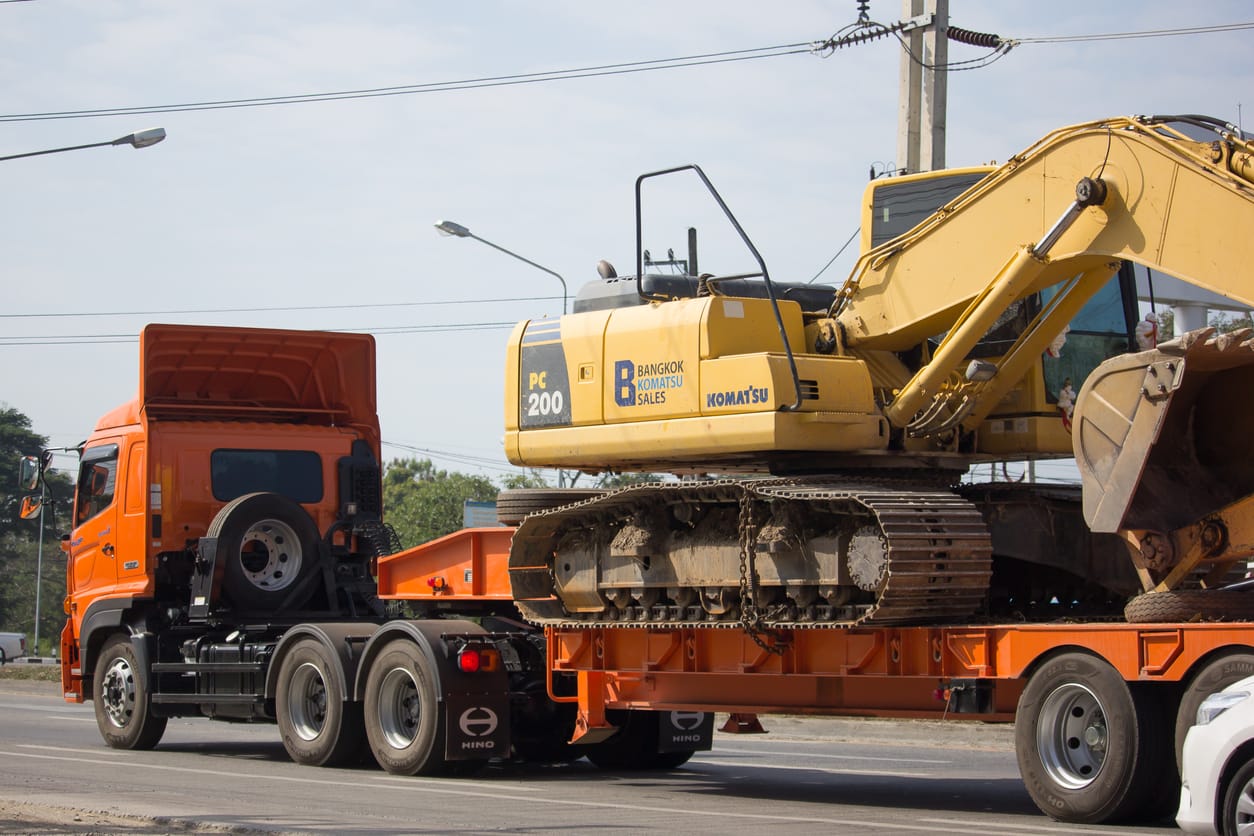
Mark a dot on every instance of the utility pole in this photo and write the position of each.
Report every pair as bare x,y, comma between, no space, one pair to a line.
923,87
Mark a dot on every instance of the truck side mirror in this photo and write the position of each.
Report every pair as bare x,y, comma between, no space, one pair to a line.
28,471
31,506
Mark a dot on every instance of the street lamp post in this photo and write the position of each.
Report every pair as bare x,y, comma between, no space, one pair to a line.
459,231
140,139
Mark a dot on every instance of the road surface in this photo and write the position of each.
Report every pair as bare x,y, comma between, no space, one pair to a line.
836,776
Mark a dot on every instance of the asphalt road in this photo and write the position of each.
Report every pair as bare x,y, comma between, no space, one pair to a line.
809,775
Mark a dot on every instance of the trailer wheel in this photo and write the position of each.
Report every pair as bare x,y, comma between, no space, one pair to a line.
634,747
269,547
318,727
1190,605
512,506
121,699
1088,748
1215,675
404,717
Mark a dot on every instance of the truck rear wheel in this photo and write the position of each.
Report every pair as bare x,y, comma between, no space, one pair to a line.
404,717
319,728
269,547
121,698
1090,749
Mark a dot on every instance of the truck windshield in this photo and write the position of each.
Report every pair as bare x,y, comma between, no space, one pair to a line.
296,474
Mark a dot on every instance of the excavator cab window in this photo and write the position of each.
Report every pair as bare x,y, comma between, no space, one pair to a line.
1101,330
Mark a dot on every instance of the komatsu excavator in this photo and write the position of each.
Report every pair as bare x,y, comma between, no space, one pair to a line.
821,433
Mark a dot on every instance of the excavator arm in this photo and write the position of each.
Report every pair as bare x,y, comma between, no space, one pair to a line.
1158,435
1062,214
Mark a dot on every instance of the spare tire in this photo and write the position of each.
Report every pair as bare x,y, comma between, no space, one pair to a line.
512,506
1183,605
268,548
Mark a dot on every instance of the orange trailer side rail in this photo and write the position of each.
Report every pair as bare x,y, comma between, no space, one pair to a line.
890,672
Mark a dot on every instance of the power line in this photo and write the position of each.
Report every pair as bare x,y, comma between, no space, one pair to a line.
1148,33
430,87
184,311
107,339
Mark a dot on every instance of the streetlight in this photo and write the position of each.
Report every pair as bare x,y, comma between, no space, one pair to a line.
459,231
140,139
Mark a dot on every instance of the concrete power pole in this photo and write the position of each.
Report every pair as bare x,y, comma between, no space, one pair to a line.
923,93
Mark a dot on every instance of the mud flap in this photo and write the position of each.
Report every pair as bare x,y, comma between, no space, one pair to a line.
478,726
685,731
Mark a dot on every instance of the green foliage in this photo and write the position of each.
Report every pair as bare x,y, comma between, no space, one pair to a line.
19,539
1226,322
423,503
526,479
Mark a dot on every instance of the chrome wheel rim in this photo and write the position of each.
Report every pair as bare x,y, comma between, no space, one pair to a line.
307,702
1071,736
117,692
271,555
400,711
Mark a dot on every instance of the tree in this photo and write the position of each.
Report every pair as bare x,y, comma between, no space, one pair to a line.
19,539
423,503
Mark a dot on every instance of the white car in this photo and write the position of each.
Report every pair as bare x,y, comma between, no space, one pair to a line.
1217,774
12,646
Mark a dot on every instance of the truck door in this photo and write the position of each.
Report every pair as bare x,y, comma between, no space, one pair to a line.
94,536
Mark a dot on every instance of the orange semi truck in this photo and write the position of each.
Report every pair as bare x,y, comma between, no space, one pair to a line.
228,559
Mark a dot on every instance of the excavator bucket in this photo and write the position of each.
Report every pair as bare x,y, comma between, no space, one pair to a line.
1160,436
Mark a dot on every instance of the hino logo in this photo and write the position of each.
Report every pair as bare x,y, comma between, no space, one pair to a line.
686,738
479,744
477,721
686,720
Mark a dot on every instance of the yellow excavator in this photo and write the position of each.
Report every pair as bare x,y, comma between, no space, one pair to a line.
818,435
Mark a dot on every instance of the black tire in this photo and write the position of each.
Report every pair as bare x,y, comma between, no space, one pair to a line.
1089,749
512,506
318,727
1237,813
1181,605
404,717
122,700
268,547
1215,675
634,746
3,659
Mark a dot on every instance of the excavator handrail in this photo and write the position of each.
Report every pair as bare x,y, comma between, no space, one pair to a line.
744,237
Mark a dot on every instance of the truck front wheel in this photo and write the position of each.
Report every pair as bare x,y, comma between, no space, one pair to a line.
121,699
404,717
1090,749
319,728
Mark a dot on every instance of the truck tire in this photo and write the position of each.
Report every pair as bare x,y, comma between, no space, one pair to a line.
404,716
635,745
1215,675
121,698
318,727
1090,749
269,547
1182,605
512,506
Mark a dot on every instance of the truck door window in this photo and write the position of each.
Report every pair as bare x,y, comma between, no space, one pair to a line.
296,474
97,477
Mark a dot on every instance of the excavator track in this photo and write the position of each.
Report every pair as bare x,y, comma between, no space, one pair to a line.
763,553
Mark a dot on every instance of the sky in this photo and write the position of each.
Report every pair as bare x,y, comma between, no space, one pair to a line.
243,214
